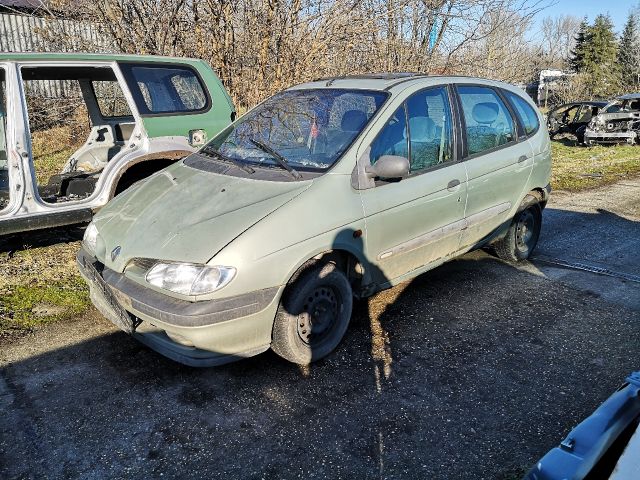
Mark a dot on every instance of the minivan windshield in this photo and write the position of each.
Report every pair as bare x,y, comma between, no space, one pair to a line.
299,129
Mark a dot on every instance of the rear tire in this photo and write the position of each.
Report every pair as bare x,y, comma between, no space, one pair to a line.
313,315
522,237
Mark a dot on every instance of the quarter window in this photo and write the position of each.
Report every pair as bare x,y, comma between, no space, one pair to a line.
526,114
488,122
166,90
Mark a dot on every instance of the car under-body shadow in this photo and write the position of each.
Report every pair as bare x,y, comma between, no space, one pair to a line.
475,367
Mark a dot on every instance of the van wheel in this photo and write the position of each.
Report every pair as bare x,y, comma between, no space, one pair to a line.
313,315
523,233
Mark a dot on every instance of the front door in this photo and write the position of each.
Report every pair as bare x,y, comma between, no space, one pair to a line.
417,220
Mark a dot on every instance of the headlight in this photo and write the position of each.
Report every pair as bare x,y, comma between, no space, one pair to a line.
90,238
189,278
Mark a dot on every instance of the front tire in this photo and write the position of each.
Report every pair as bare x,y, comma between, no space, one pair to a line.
522,237
313,315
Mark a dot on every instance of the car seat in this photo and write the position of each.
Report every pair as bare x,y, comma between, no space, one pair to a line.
483,136
350,125
424,143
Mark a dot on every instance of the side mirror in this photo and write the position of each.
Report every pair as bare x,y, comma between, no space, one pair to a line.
389,166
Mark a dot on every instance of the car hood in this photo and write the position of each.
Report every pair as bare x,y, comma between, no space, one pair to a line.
184,214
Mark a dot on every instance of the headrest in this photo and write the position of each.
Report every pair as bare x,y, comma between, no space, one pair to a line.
485,113
353,120
423,129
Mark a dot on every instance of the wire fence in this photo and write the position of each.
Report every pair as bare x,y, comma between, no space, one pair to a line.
30,33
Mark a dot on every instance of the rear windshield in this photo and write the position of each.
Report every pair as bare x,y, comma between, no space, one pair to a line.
166,90
309,128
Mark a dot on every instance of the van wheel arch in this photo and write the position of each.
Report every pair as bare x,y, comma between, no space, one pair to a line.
143,167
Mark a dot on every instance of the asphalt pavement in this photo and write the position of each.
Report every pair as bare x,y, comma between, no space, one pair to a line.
473,370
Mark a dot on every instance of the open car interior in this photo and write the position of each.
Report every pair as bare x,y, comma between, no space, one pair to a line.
88,97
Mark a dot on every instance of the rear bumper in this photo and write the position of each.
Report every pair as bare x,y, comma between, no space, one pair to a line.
204,333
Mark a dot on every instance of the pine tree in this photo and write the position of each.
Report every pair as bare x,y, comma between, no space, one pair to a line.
600,61
576,62
629,53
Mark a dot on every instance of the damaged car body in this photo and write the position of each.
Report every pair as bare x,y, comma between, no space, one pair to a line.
78,129
327,191
572,118
618,122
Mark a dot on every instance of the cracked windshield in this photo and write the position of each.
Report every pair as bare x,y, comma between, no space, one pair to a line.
309,129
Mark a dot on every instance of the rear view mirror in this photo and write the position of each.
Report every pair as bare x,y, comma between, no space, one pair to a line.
389,166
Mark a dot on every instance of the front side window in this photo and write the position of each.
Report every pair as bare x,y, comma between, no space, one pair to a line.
429,128
166,90
488,122
525,112
310,129
392,139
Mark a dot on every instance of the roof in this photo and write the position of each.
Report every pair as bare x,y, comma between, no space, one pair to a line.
89,57
629,96
389,80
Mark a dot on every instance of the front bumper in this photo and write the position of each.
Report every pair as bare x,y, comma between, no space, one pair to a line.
205,333
609,137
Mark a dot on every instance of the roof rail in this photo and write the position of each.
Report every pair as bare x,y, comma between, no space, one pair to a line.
370,76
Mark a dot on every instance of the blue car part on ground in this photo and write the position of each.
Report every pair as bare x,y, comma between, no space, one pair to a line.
585,445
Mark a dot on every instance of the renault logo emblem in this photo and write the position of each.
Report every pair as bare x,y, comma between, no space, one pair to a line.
115,252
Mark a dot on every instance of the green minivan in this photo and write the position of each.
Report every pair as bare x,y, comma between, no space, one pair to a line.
327,191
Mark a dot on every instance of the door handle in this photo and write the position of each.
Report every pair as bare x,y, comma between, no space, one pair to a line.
523,158
453,184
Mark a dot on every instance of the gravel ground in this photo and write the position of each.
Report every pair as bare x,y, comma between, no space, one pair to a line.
473,370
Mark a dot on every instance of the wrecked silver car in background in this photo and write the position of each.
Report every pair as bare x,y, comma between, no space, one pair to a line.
618,122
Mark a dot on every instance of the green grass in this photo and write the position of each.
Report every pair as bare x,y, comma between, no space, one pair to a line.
40,286
578,168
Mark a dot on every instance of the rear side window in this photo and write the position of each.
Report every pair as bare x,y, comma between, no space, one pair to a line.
488,122
111,99
526,114
166,89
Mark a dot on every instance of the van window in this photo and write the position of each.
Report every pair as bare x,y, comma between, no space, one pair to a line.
392,139
111,99
488,122
166,89
526,114
429,128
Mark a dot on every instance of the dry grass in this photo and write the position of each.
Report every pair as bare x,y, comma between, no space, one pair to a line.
52,149
578,168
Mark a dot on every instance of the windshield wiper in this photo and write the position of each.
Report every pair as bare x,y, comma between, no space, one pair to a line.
278,157
212,151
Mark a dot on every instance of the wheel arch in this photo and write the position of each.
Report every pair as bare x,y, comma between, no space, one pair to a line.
142,167
352,264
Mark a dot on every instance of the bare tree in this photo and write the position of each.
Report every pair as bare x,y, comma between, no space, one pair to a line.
261,46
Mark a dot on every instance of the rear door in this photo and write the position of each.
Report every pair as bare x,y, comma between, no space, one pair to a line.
498,160
414,221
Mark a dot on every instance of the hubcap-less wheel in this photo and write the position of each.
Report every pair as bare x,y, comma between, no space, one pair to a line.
525,230
313,314
319,314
